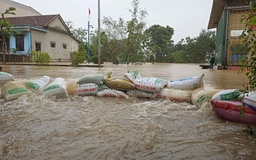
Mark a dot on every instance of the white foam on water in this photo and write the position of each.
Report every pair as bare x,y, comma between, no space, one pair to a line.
35,127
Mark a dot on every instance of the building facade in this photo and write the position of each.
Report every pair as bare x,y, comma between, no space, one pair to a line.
226,16
36,32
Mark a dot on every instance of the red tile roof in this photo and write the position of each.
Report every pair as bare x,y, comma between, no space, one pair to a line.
40,21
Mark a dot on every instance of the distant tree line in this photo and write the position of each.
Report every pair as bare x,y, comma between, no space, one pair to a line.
131,41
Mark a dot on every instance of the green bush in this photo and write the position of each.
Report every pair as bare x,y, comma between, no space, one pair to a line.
78,57
94,59
41,57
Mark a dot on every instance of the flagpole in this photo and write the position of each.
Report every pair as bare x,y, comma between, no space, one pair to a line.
88,50
99,36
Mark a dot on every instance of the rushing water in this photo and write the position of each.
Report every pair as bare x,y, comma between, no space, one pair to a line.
79,128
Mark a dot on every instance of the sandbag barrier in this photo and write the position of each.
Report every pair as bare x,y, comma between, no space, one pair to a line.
132,84
190,90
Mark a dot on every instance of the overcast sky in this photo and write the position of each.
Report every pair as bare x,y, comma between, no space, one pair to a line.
187,17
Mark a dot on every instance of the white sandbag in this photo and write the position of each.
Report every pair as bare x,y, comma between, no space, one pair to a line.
112,93
5,77
56,88
87,89
38,85
250,99
140,94
187,83
176,95
91,78
13,90
149,84
229,94
201,95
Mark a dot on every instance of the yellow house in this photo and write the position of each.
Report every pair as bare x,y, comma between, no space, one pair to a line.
226,17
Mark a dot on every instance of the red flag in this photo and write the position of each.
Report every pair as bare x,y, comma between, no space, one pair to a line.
89,11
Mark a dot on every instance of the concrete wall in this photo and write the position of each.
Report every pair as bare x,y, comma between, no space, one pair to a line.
57,24
59,39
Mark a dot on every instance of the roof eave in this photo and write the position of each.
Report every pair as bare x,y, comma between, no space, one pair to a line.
217,9
30,27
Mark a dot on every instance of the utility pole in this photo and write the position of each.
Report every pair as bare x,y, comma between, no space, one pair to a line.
99,35
88,50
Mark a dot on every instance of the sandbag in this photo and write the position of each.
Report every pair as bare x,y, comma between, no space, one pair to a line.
56,88
231,110
149,84
187,83
88,89
112,93
90,78
229,94
71,86
13,90
119,84
5,77
202,95
140,94
250,99
176,95
38,85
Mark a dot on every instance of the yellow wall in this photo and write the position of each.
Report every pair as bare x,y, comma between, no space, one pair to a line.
235,26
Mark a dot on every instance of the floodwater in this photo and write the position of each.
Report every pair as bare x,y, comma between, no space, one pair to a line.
88,128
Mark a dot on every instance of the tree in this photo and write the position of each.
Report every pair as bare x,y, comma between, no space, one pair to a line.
130,41
183,50
190,48
197,50
135,29
115,29
78,57
158,41
249,65
249,39
205,46
5,30
125,39
178,56
40,57
115,32
104,45
79,33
